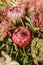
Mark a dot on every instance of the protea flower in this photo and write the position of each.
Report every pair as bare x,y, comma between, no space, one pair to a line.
16,12
37,18
21,37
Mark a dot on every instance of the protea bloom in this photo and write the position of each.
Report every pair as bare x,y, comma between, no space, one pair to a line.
16,12
21,37
37,18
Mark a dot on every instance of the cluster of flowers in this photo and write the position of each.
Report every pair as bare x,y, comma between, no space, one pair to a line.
22,35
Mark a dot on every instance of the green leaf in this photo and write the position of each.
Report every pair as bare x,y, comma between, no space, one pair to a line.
26,59
12,3
1,38
9,39
29,21
30,25
3,4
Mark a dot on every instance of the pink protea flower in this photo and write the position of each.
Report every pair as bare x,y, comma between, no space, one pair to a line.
21,37
37,18
5,26
16,12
